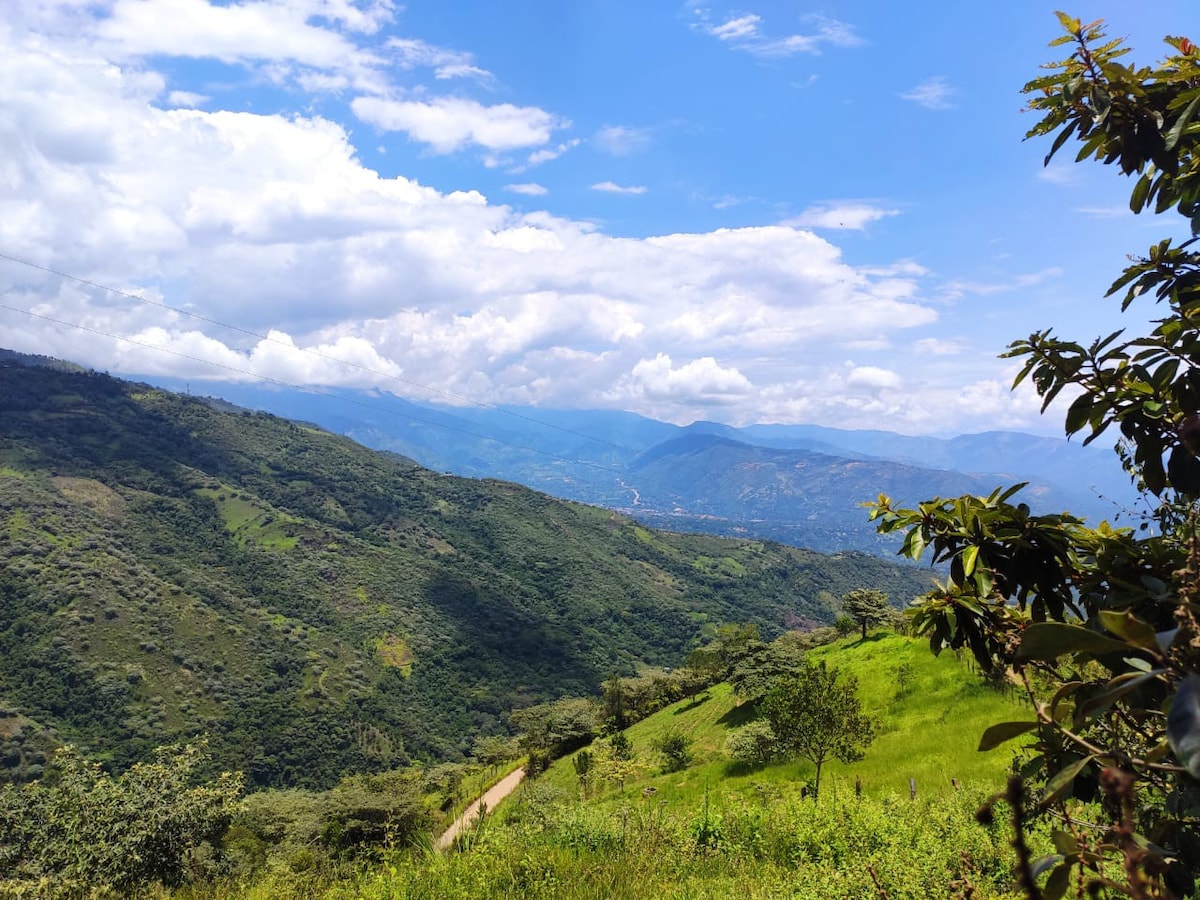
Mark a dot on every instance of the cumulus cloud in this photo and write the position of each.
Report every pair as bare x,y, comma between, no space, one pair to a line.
702,381
873,377
186,98
450,123
851,216
932,93
283,34
272,223
609,187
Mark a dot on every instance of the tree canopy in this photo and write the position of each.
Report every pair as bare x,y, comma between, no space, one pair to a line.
866,606
1101,625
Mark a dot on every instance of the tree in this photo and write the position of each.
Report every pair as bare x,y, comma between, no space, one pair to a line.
1102,624
816,715
755,672
866,606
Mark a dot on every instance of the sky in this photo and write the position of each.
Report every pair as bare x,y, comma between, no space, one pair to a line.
759,212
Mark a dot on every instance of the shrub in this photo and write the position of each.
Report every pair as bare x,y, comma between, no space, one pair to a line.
91,830
676,750
752,745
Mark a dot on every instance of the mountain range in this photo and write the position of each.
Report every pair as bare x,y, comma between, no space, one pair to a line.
800,484
173,566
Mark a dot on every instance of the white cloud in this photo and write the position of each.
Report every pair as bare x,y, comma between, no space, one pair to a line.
940,346
446,64
621,140
537,157
702,380
186,98
841,215
745,32
450,123
273,223
954,290
873,378
610,187
932,93
737,29
285,33
529,189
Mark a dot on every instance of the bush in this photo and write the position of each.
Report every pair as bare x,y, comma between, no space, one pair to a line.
676,750
752,745
90,830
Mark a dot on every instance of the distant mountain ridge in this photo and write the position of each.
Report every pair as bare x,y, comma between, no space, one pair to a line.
605,457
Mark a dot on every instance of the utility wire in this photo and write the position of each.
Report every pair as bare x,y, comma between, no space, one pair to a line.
311,352
307,389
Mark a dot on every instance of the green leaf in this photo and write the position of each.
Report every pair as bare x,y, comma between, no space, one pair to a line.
1058,882
1141,191
1050,640
1002,732
1128,626
969,557
1057,786
1064,842
1113,691
1171,139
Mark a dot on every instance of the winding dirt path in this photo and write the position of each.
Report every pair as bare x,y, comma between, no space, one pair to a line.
491,797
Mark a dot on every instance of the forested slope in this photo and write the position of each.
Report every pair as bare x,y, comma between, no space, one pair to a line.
170,568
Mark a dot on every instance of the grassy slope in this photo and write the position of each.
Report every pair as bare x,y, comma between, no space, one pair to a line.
927,730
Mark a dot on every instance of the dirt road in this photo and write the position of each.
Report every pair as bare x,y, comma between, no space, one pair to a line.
491,797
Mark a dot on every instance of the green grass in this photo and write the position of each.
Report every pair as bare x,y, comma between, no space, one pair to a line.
930,712
252,522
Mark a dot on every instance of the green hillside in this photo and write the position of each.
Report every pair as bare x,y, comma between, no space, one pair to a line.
929,713
172,568
713,830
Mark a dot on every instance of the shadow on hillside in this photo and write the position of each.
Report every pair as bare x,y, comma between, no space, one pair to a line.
696,701
871,638
738,716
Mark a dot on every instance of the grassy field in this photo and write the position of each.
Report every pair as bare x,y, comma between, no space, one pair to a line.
929,713
715,830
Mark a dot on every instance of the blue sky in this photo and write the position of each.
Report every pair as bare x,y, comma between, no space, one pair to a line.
760,212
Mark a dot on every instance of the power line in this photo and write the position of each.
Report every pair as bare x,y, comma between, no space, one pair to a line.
307,389
317,353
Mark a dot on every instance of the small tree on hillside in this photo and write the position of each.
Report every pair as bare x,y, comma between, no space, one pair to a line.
815,715
866,606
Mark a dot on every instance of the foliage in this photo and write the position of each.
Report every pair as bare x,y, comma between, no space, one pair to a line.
676,750
866,606
753,745
754,673
88,830
556,728
816,715
310,828
748,848
169,567
1100,624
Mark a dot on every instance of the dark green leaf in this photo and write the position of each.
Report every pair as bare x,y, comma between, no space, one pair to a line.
1002,732
1050,640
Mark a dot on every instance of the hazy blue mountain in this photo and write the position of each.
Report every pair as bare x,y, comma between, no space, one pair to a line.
801,484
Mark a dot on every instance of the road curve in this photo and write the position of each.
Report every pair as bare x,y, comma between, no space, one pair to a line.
491,797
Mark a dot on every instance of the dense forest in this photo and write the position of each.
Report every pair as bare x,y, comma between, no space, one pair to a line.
175,567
